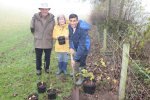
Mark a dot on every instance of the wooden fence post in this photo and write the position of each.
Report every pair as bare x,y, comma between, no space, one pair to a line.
104,42
125,59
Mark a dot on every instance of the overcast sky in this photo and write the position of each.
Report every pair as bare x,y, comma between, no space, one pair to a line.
146,4
57,6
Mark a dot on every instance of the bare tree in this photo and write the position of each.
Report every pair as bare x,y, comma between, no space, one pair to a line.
120,14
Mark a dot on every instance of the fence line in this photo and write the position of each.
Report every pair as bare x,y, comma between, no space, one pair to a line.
129,56
135,88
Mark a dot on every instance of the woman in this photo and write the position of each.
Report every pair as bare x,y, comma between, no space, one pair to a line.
61,29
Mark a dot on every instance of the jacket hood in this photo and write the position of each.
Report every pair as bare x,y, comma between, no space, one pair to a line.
84,25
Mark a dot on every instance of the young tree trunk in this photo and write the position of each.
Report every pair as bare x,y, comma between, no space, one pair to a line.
120,13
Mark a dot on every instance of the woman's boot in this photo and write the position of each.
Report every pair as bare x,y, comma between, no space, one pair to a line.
60,68
64,67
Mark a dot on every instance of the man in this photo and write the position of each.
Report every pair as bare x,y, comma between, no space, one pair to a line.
79,41
42,25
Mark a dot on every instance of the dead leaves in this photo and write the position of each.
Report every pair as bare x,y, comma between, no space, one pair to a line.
108,78
15,94
114,80
33,96
9,78
58,90
59,94
7,85
98,78
44,96
63,86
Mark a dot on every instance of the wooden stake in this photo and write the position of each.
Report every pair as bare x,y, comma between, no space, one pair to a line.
44,74
104,42
30,84
125,59
97,32
50,77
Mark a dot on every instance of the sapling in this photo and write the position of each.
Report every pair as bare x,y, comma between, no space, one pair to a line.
31,88
85,73
43,75
50,80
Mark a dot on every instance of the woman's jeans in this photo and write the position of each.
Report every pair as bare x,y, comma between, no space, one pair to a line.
62,57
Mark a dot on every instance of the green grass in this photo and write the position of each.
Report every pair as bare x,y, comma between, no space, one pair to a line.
18,65
14,29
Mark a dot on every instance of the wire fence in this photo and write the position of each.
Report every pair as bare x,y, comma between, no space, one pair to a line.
138,78
134,29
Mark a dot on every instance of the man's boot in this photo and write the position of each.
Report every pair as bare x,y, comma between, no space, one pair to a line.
77,64
38,72
60,68
81,78
64,67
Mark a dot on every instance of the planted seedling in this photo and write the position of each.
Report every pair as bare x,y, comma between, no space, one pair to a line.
30,84
86,74
50,80
89,83
51,92
32,96
42,85
43,75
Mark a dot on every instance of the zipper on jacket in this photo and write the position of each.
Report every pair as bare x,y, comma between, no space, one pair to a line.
44,27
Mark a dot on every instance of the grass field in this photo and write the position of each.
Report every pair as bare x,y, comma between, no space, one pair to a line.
17,66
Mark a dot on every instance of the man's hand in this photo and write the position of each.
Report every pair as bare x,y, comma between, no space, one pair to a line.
72,51
73,63
32,30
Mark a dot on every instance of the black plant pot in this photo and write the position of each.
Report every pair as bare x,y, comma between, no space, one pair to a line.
51,94
34,95
61,40
41,88
90,89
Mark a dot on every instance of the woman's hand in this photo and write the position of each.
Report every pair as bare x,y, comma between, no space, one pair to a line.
57,37
66,36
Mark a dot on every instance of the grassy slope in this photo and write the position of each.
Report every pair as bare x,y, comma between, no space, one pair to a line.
15,66
18,64
14,28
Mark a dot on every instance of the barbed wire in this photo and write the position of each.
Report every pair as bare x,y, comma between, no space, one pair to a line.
128,55
114,47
